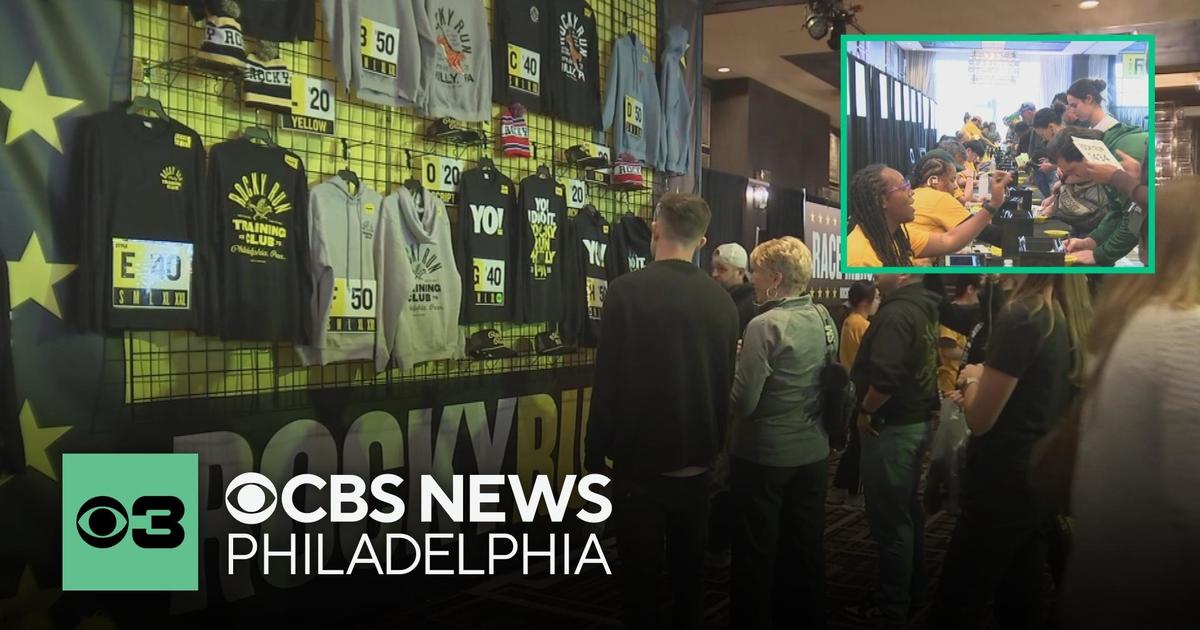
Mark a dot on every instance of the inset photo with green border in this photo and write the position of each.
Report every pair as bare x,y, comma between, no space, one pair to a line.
1002,153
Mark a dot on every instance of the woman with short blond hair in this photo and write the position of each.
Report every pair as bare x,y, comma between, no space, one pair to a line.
778,446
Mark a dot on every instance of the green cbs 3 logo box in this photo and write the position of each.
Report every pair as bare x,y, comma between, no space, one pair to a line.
129,522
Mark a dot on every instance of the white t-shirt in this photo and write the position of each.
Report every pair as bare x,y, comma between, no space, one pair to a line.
1137,543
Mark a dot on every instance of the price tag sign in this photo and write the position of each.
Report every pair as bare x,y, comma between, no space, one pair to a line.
596,288
151,274
380,52
489,281
352,307
313,106
633,116
442,175
524,70
576,193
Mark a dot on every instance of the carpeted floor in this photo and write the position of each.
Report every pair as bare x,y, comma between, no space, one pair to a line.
592,600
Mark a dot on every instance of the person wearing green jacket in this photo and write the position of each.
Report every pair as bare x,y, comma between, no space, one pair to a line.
1112,239
778,447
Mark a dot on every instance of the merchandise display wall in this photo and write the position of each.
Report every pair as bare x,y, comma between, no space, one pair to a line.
387,146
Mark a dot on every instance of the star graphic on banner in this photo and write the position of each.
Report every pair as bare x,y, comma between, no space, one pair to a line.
31,108
37,442
33,278
31,603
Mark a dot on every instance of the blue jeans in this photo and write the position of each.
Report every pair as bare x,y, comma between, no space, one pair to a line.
891,469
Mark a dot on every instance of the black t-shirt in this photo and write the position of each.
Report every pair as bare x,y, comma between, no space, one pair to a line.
487,221
1033,347
139,189
629,247
278,20
259,279
542,209
592,235
520,32
573,65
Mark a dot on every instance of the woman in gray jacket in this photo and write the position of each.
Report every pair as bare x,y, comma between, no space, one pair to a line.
778,447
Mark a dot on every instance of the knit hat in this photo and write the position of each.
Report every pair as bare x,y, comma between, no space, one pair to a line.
627,173
223,47
514,132
267,82
731,254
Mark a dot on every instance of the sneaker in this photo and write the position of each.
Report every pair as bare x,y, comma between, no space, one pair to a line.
718,559
870,615
837,496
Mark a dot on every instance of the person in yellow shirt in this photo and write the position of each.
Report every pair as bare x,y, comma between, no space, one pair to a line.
880,206
937,210
863,302
951,344
970,129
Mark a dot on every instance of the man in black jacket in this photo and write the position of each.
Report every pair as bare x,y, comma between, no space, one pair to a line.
660,399
896,374
729,266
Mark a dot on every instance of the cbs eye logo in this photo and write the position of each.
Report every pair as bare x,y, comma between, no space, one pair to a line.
251,498
102,522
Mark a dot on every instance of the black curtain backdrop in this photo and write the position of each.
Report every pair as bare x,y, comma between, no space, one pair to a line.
726,196
785,213
892,125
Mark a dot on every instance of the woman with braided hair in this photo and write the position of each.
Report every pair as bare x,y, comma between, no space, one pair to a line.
881,202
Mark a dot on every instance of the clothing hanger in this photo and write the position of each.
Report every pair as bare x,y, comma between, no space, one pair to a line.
145,102
414,185
543,172
485,163
258,132
346,174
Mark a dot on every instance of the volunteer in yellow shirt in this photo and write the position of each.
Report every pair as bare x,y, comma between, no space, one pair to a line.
951,344
863,303
970,129
937,210
880,206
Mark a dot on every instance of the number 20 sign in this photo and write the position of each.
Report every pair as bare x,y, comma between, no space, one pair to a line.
314,110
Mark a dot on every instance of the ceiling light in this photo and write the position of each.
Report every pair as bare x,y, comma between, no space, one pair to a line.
1089,4
817,25
724,69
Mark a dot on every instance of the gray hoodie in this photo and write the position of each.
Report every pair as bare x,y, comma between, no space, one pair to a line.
677,103
388,71
415,236
456,59
346,312
775,391
631,87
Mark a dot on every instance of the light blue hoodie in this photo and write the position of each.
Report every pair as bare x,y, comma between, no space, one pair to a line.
631,84
677,103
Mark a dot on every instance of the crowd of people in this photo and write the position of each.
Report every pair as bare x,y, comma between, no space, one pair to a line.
899,221
1069,409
